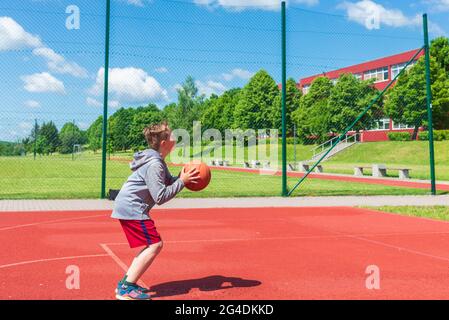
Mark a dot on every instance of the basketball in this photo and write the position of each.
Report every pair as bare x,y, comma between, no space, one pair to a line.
204,175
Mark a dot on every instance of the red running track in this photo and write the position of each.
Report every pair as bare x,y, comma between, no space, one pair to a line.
380,181
264,253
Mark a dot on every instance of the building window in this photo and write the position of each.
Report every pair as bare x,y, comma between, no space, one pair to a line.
379,75
401,126
382,124
306,89
395,69
358,76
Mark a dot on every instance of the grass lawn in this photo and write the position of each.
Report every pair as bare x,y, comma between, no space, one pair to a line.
436,212
58,177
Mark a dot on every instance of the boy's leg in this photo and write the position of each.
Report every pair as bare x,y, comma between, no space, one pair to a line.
142,262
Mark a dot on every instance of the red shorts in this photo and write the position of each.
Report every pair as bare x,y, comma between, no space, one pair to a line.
140,232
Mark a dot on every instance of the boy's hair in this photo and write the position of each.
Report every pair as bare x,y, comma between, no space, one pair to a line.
155,133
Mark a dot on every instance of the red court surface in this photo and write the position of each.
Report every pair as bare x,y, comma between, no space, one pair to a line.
264,253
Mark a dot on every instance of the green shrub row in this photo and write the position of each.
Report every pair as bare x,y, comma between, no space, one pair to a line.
399,136
438,135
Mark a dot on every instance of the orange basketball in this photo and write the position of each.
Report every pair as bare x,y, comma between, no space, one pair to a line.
205,175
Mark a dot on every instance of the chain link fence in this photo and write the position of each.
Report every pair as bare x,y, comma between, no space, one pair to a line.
214,72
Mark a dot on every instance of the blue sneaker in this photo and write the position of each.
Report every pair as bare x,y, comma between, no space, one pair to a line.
130,292
143,289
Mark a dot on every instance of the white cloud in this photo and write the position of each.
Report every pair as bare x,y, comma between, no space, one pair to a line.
176,87
373,15
436,30
42,82
161,70
13,36
25,125
438,5
237,73
137,3
113,104
58,64
239,5
32,104
130,85
365,11
95,103
83,125
210,87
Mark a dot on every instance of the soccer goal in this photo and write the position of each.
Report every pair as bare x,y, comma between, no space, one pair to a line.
77,151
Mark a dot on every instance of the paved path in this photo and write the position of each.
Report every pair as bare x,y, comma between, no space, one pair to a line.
56,205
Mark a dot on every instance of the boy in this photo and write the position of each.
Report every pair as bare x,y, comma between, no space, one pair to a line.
149,184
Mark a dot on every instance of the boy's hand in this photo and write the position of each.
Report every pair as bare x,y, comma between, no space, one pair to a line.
191,176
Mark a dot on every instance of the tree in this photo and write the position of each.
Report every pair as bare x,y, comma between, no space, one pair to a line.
26,144
439,49
143,117
292,103
95,134
169,113
312,117
254,110
69,136
189,105
348,99
49,138
219,111
406,102
42,146
119,128
33,137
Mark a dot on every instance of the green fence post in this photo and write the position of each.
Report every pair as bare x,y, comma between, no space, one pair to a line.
73,139
35,138
284,96
429,105
105,105
294,144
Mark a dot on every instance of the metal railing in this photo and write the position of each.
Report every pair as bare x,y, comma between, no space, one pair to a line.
330,143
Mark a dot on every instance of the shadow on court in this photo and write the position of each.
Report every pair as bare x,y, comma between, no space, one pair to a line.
211,283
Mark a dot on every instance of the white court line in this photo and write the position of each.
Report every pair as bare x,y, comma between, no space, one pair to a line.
48,221
51,259
416,252
119,261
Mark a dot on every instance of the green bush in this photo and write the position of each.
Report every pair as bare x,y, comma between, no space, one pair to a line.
290,140
399,136
423,136
444,134
438,135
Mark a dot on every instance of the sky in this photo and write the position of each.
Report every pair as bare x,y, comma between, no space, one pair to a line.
52,63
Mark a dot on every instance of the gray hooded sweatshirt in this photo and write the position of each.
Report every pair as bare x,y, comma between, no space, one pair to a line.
149,184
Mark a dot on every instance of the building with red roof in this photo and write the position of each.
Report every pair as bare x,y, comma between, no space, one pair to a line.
383,70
